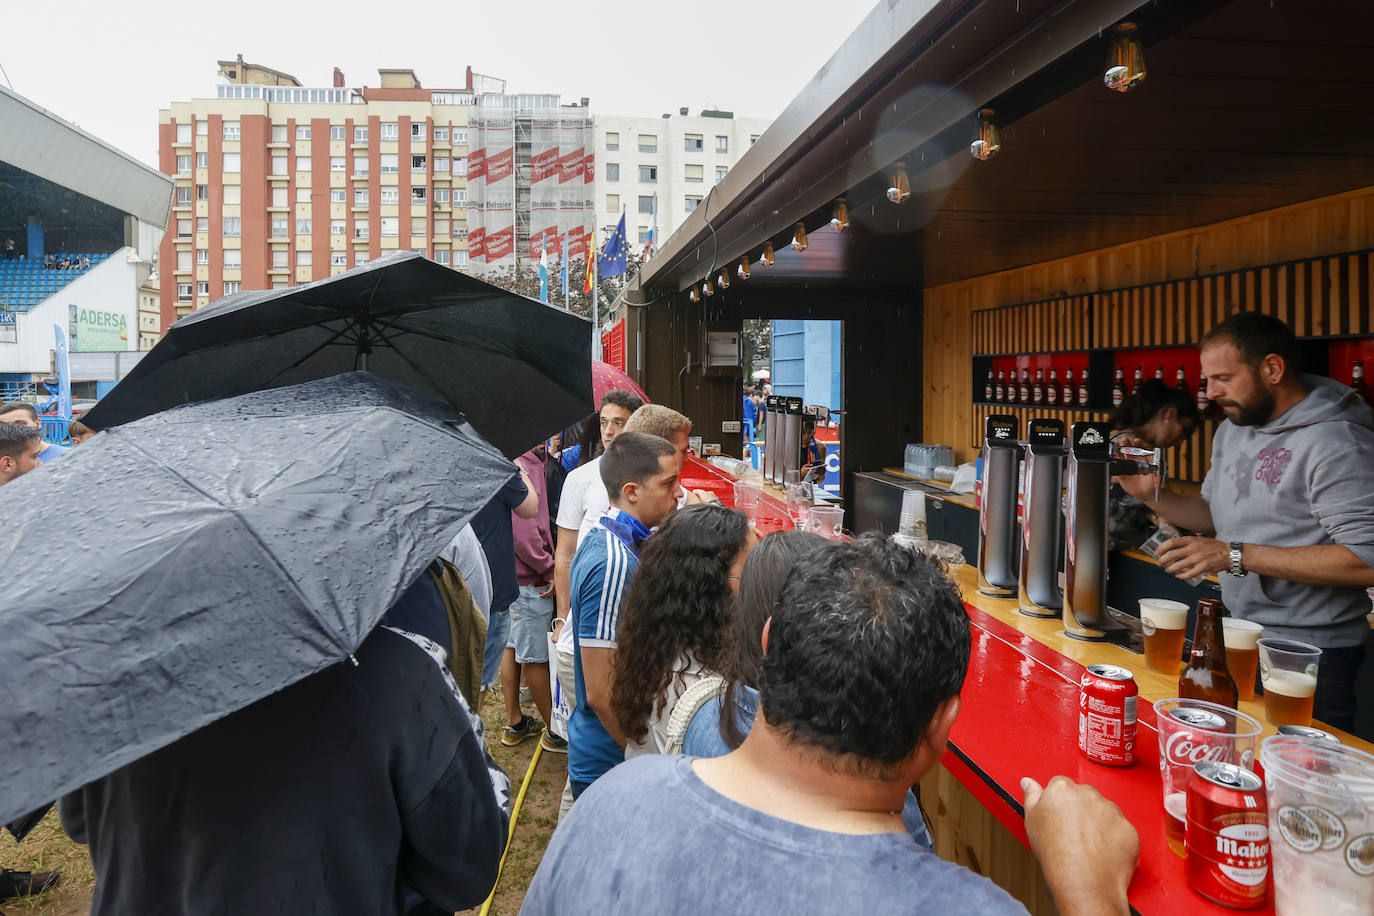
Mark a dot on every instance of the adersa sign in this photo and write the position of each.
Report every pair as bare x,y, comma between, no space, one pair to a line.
93,330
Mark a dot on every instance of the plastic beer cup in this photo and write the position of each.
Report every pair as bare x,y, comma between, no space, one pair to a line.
1242,653
1191,731
1288,673
1163,622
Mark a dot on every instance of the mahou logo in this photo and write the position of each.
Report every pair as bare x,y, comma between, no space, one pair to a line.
1184,749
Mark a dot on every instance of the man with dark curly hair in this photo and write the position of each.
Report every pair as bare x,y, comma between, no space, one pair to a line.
864,659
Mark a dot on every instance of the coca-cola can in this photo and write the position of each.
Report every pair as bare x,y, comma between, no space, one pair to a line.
1107,715
1227,858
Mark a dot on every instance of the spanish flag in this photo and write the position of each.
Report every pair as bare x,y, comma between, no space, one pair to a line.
591,262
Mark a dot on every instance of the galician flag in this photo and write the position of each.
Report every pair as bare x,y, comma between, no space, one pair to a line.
544,275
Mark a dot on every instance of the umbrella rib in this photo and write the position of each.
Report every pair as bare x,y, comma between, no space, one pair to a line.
337,334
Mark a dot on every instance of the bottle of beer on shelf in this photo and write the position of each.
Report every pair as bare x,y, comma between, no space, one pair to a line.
987,387
1083,388
1207,677
1119,387
1181,383
1023,393
1038,390
1052,389
1204,403
999,392
1135,383
1159,372
1067,395
1358,383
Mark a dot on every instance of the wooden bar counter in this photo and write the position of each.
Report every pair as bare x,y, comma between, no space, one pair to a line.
1020,718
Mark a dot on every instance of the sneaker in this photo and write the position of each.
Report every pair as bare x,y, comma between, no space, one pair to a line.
527,727
25,883
525,695
552,743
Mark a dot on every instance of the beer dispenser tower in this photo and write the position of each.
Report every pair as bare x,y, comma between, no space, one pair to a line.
1042,533
772,433
1092,464
997,551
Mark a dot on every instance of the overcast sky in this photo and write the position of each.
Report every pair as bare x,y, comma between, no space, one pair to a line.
109,67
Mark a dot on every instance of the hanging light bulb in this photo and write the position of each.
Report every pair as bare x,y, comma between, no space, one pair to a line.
900,189
766,259
723,279
1125,59
706,288
799,238
743,270
988,142
840,221
693,295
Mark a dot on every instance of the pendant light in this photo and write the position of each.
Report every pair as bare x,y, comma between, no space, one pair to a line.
840,221
766,259
799,237
1125,59
989,141
900,189
743,270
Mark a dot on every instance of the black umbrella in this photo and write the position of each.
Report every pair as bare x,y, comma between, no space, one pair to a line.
193,562
519,370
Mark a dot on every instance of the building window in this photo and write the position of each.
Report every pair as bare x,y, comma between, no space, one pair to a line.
460,196
302,194
390,164
336,132
360,136
338,196
418,194
417,225
202,192
722,144
359,165
359,258
232,286
720,172
305,259
302,132
302,227
202,160
643,234
183,165
693,172
360,195
184,196
231,162
183,228
440,227
233,259
391,195
441,256
753,138
460,136
390,131
278,133
613,171
183,260
184,292
184,133
690,203
279,197
646,203
231,131
612,140
203,288
648,173
233,227
613,202
391,227
460,232
417,163
302,163
232,192
338,259
202,128
692,143
278,165
338,227
279,227
441,195
202,256
338,164
417,130
360,229
441,164
460,166
279,259
202,224
648,143
460,259
440,133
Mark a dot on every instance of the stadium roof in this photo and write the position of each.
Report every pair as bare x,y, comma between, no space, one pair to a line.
40,143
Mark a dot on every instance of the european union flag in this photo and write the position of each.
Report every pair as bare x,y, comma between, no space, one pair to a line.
611,263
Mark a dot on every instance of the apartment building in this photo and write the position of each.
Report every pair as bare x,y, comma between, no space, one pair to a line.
664,166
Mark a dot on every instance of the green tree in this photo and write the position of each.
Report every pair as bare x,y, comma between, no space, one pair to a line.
756,346
524,280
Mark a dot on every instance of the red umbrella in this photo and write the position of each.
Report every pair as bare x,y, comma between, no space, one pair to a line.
606,377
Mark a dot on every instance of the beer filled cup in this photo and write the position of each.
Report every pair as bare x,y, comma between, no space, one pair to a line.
1190,732
1242,653
1163,622
1288,673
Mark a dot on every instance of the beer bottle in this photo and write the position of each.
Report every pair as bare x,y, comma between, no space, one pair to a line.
1181,382
1135,384
1038,391
1052,389
987,387
1066,396
1358,383
1083,388
1207,677
1023,393
1119,387
999,393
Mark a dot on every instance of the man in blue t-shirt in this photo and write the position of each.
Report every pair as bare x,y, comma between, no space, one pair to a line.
864,659
641,477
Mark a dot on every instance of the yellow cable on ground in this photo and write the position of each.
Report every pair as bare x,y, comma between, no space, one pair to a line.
514,813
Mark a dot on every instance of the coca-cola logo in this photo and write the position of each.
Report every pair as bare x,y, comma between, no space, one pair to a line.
1183,749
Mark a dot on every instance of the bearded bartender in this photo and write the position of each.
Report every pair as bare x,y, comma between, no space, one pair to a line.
1289,500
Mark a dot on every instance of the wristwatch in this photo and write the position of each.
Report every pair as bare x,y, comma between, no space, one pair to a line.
1237,568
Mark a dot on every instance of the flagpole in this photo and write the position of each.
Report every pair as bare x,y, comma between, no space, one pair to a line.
596,320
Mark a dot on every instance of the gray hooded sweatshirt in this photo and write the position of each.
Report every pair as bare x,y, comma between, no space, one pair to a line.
1303,478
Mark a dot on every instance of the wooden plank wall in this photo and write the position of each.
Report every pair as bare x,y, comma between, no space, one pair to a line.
1291,262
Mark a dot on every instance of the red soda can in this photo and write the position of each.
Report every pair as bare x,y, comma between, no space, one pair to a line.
1227,857
1106,715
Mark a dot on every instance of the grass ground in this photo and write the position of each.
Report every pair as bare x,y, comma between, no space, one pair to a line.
47,848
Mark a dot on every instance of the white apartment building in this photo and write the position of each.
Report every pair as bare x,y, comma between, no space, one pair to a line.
676,157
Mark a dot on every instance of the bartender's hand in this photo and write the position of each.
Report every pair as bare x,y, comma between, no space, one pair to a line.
1189,557
1141,486
1085,846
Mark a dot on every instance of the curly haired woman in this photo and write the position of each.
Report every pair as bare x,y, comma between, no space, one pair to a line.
675,617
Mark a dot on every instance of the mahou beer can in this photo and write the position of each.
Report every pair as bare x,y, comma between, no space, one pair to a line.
1106,715
1227,857
1308,732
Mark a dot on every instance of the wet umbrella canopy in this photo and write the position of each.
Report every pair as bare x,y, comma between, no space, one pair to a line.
519,370
193,562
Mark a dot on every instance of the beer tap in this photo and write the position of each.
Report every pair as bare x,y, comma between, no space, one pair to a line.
1042,532
1093,461
997,549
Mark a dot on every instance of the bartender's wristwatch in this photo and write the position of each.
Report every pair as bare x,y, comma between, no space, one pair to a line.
1237,568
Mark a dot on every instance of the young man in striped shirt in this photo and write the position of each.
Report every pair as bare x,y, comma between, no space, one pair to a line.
641,477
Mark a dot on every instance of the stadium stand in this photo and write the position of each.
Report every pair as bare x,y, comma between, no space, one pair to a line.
24,283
